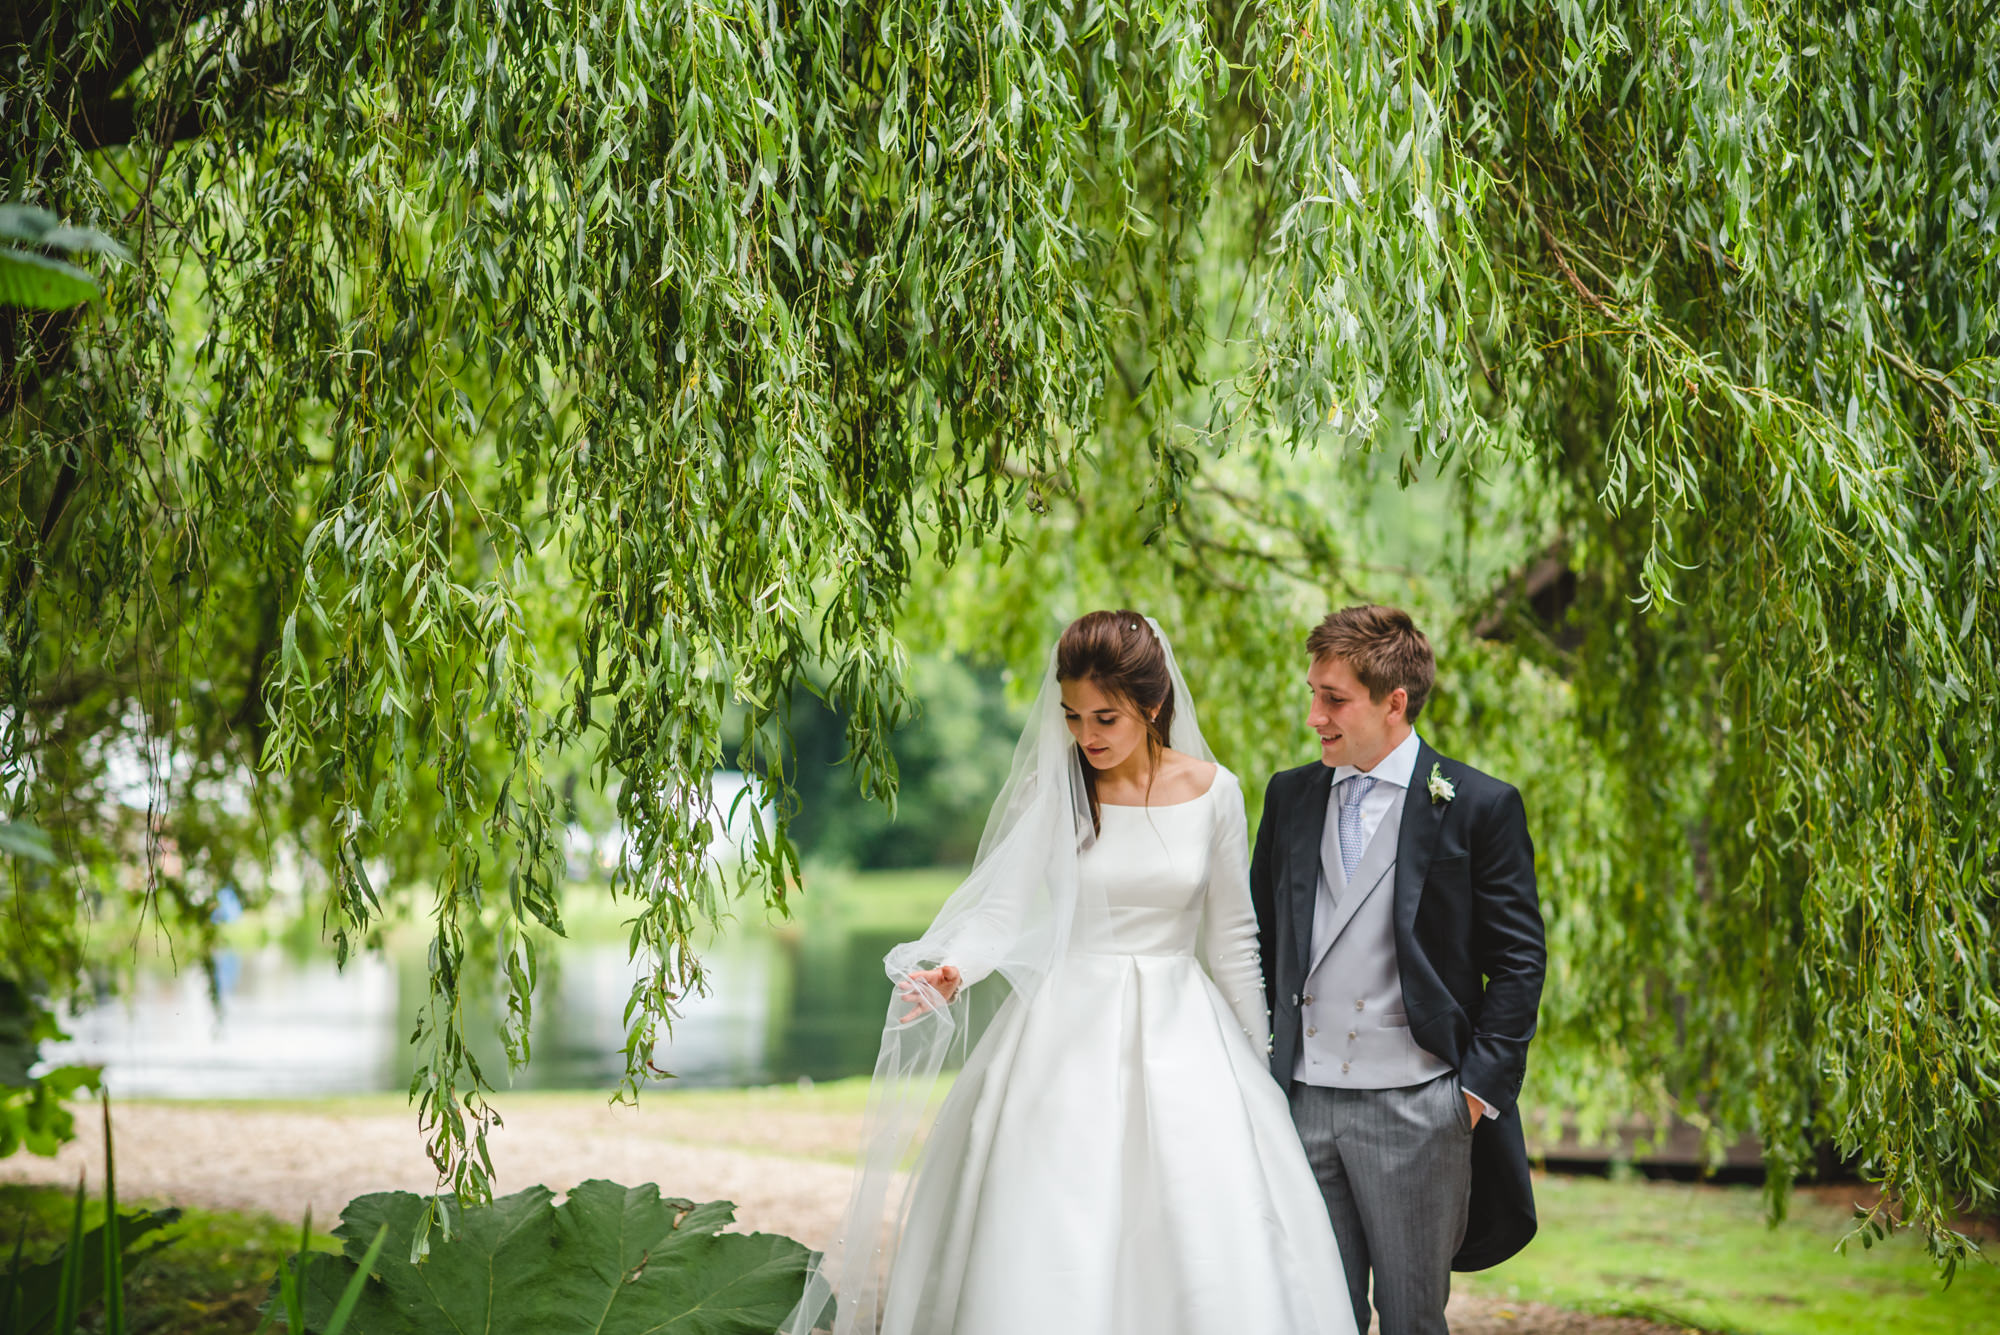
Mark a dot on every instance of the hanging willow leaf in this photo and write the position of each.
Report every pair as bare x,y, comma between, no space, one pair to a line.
40,283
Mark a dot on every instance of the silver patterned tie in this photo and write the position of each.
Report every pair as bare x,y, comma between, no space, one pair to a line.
1354,790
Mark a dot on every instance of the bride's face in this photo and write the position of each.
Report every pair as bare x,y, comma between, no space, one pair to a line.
1108,728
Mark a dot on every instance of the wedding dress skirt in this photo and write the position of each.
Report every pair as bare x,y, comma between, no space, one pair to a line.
1115,1157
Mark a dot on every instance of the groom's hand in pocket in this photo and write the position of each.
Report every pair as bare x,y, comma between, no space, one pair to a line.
1474,1106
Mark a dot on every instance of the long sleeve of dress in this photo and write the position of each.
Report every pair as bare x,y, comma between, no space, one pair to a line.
1001,917
1229,924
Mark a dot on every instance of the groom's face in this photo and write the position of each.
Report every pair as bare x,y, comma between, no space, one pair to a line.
1353,729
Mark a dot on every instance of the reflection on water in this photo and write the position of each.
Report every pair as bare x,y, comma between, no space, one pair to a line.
286,1027
807,1000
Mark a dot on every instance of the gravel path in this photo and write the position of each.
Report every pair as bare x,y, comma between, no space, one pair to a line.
278,1161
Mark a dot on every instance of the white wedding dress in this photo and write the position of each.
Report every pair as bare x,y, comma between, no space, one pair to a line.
1115,1158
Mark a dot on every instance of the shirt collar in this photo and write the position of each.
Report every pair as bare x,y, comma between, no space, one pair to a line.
1398,767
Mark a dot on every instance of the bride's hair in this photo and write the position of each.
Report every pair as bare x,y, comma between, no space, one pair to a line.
1118,651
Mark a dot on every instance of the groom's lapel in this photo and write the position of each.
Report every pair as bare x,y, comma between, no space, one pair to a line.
1302,862
1422,819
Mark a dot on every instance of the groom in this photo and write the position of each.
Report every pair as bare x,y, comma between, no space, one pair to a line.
1403,958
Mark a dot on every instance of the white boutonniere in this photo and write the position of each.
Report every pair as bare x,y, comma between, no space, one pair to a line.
1440,787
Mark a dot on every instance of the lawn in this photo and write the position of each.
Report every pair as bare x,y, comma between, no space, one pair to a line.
1703,1256
832,899
722,1107
1696,1257
210,1277
1699,1256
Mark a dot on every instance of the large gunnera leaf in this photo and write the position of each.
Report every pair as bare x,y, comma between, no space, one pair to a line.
610,1259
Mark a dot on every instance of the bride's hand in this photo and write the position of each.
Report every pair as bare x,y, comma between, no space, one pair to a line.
944,980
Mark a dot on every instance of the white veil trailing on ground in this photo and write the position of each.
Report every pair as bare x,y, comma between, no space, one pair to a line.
1015,914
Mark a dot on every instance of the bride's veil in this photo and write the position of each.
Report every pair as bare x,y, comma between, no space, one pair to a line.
1015,914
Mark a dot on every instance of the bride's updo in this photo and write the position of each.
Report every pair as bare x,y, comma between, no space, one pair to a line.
1120,654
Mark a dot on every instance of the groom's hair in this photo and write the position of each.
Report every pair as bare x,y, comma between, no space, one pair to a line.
1382,647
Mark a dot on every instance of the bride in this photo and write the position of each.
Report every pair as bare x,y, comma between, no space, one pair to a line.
1114,1155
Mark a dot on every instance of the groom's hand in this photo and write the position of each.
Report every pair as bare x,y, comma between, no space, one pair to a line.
1475,1107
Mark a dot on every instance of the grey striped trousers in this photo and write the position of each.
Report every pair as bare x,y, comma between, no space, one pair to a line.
1395,1167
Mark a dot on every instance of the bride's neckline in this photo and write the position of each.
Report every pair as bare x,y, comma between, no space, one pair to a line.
1213,779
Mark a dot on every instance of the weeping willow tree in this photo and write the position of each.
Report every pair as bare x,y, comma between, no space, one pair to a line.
502,398
1696,308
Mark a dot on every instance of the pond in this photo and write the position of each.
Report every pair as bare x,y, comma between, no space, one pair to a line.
803,998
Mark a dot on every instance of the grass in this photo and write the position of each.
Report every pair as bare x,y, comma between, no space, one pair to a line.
1695,1257
831,898
892,901
828,1097
210,1279
1703,1257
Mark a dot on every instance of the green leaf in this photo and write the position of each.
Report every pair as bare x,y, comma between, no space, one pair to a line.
40,283
68,1280
350,1297
39,227
609,1259
23,840
26,222
114,1243
86,239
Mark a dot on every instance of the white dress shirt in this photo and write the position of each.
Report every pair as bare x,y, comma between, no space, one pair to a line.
1395,770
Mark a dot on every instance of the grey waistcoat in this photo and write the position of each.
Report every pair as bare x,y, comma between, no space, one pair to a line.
1355,1033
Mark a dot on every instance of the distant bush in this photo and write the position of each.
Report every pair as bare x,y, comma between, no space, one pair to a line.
34,1112
951,759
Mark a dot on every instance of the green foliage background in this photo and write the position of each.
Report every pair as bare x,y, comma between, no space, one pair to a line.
504,400
950,759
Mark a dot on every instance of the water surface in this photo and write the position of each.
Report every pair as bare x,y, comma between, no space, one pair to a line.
803,998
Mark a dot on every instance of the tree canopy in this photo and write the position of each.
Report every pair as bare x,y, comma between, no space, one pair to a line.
503,399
